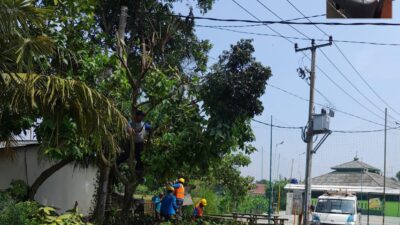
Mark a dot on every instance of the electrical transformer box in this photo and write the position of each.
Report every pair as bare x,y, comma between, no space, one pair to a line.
321,123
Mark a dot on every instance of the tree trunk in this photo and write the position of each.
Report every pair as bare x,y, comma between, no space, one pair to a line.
102,192
121,32
126,214
46,174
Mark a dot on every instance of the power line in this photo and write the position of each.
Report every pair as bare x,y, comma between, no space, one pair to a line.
352,84
298,10
226,28
301,33
365,82
306,17
255,17
322,105
269,22
323,72
253,33
334,131
349,62
346,93
364,131
276,126
257,25
297,30
323,96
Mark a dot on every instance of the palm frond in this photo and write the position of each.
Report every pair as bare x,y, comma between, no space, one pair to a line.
17,16
22,42
95,115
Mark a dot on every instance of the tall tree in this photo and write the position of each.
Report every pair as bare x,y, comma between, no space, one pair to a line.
72,113
140,56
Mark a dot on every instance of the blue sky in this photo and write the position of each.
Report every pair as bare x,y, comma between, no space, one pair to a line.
379,65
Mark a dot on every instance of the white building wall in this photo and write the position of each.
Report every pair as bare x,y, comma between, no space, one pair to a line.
61,190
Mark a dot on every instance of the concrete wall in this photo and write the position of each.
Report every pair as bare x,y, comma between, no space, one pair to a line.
61,190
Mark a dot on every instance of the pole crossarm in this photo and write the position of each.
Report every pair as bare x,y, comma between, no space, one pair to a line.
313,46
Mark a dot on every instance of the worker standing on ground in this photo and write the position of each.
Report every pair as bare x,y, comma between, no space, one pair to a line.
199,209
168,205
157,205
179,194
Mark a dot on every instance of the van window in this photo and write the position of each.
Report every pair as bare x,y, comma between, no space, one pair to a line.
340,206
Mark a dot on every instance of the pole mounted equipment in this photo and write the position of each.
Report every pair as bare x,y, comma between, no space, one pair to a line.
310,126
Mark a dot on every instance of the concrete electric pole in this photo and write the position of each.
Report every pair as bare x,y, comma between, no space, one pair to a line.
309,152
270,175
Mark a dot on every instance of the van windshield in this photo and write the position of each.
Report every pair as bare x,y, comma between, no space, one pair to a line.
339,206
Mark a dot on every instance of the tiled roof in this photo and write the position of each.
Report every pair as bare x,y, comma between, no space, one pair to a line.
354,178
258,190
355,165
19,143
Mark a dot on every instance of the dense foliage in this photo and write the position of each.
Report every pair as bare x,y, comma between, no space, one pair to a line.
79,72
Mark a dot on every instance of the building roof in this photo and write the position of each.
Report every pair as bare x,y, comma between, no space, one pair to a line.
354,175
354,178
355,165
19,143
259,189
352,189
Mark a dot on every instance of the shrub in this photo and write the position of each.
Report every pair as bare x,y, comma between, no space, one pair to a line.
22,213
48,216
5,200
212,199
18,190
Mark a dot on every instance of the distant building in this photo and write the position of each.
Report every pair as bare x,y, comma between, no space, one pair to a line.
357,177
61,190
259,189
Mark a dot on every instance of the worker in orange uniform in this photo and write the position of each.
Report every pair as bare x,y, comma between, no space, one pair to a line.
199,209
179,194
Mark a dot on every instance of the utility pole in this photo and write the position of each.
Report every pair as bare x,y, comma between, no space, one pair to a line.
270,173
262,163
384,170
309,152
291,169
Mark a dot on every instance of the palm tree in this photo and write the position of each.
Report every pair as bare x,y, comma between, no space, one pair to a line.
22,42
23,47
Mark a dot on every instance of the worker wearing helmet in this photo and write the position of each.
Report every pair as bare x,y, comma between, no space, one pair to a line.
168,204
198,210
179,194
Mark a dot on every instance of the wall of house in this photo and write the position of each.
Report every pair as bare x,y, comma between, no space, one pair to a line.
61,190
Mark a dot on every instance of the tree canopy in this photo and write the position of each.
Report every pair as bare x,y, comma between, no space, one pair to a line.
82,77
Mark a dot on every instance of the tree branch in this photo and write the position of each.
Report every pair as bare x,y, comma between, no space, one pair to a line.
46,174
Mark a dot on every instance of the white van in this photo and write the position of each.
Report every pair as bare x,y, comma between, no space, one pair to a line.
336,208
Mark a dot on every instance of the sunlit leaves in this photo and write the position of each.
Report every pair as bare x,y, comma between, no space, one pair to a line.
22,42
240,77
57,99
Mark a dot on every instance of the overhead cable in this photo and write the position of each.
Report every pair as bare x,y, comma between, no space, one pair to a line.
347,60
334,131
304,35
226,28
269,22
322,105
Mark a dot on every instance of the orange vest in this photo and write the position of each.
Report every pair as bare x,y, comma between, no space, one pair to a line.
199,211
180,192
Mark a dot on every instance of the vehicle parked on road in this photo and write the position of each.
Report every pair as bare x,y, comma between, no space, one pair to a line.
336,208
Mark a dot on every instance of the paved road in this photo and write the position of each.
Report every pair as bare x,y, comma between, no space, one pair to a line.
373,220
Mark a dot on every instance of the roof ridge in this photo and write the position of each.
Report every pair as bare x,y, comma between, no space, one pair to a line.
373,178
357,164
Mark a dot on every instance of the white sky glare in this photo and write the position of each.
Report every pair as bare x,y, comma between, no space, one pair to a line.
379,65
